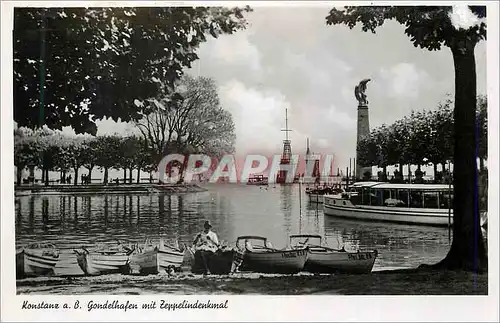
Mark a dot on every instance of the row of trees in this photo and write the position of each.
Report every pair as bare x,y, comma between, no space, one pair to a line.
195,124
421,138
52,151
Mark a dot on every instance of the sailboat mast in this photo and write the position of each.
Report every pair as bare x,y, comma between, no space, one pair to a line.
286,123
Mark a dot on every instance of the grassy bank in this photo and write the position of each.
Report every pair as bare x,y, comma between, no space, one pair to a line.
400,282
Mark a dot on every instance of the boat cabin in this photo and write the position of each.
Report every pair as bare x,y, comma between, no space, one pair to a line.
430,196
253,243
306,239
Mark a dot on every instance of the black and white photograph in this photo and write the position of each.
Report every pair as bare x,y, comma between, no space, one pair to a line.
160,150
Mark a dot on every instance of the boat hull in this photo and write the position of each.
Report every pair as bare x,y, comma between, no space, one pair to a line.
31,263
316,198
221,263
340,262
155,261
275,262
96,263
344,208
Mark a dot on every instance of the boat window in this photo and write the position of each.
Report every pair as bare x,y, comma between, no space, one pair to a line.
416,199
403,197
431,200
366,197
377,197
386,194
444,200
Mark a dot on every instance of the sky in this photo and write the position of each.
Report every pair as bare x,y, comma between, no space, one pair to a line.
288,58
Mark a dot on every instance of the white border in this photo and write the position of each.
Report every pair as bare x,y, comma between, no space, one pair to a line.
252,308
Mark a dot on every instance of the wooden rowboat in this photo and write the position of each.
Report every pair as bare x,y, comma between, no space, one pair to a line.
99,262
223,262
153,259
38,259
260,256
323,259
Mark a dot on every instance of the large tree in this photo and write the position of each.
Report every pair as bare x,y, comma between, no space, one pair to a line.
431,28
96,62
194,119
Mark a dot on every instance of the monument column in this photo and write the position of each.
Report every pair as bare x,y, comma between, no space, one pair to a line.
363,125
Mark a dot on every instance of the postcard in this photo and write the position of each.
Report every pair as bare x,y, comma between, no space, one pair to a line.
249,161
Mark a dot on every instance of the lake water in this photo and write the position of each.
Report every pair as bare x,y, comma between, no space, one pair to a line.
72,221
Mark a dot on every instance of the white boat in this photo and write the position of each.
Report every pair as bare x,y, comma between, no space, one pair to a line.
404,203
316,195
100,262
323,259
153,259
258,180
37,259
259,256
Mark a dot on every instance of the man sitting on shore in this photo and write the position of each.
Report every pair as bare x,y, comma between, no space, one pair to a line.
206,244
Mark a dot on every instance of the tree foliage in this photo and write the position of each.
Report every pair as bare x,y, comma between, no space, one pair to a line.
428,27
96,62
197,120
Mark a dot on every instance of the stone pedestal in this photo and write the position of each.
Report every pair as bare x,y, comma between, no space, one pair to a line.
362,131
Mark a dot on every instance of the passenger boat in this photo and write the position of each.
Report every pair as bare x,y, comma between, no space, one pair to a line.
104,261
429,204
258,180
36,260
316,195
156,258
323,259
260,256
225,261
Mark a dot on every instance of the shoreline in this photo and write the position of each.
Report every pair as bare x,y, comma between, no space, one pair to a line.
108,189
386,282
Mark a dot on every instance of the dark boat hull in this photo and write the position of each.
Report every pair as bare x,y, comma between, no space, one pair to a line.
220,263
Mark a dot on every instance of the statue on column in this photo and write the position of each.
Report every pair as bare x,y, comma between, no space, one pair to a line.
359,92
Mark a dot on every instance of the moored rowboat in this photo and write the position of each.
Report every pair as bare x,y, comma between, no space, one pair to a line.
260,256
158,258
99,262
223,262
36,259
323,259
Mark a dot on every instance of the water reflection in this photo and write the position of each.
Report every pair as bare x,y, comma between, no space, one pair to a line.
286,206
233,210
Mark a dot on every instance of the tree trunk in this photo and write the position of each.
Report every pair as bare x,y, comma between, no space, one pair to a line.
89,177
105,175
32,174
481,164
46,171
124,175
468,250
138,175
43,175
130,175
19,175
435,171
75,181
